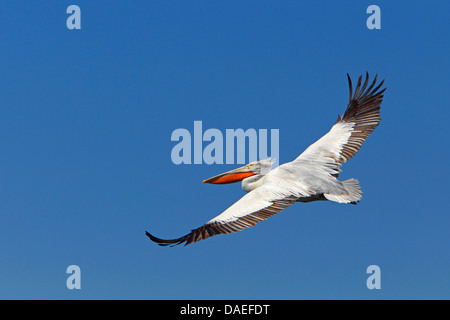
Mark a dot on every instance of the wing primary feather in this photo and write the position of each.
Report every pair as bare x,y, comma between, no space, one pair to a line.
373,83
351,90
364,86
358,85
162,242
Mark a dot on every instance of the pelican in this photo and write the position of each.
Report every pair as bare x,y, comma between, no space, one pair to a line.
312,176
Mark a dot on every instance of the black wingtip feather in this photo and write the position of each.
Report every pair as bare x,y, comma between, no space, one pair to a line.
163,243
350,86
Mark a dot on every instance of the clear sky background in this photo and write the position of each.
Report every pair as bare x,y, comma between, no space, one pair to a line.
85,167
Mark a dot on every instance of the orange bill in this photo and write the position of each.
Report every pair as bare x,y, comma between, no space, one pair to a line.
231,176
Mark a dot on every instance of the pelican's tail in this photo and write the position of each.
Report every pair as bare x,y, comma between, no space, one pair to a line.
354,193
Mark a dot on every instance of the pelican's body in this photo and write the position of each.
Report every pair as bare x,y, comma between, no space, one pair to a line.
312,176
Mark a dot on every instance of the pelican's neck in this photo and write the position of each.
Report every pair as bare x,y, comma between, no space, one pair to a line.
251,183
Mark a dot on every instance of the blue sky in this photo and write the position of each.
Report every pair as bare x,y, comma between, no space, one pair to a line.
87,116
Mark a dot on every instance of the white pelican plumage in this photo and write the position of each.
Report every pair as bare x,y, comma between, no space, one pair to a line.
312,176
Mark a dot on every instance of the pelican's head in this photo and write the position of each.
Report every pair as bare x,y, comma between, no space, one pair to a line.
248,174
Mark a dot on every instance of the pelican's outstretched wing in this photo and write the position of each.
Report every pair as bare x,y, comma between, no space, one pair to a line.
252,208
350,131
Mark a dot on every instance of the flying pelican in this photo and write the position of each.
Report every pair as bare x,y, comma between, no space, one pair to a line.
312,176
